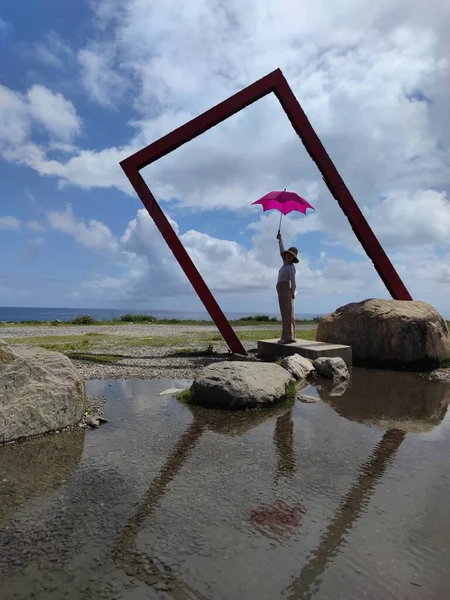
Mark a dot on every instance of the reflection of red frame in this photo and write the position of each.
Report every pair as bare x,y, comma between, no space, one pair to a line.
274,82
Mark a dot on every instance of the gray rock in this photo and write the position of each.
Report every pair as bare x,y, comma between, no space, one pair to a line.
298,366
388,332
40,391
309,399
331,368
240,385
171,391
92,421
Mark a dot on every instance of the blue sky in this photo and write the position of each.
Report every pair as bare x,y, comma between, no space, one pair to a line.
84,84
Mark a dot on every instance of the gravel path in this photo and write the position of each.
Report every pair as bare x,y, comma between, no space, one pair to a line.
156,363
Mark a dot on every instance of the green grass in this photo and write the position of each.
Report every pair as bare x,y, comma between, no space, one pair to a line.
102,348
97,358
290,391
185,396
130,318
259,319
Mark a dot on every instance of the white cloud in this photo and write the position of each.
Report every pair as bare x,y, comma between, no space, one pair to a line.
38,109
151,271
36,226
91,234
102,81
404,218
9,223
373,81
56,114
363,77
52,51
146,270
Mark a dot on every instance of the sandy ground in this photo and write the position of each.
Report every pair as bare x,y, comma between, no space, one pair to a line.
141,362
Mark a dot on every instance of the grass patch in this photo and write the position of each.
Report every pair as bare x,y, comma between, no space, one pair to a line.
130,318
185,396
100,359
97,341
291,391
259,319
58,343
267,334
83,320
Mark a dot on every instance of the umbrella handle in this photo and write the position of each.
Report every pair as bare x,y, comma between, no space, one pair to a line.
279,225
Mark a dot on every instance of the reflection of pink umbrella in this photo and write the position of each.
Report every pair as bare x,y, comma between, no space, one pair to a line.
277,520
285,202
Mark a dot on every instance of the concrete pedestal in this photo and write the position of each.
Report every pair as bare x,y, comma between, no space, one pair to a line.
307,348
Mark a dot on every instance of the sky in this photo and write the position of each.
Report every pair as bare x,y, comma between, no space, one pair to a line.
85,84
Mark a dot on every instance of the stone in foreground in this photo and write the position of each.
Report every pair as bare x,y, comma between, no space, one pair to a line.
240,385
332,368
298,366
308,399
307,348
389,333
40,391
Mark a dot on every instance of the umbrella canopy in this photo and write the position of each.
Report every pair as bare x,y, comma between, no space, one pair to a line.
284,201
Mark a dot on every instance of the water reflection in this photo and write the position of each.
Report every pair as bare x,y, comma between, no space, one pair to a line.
398,403
124,552
284,444
389,400
349,510
31,468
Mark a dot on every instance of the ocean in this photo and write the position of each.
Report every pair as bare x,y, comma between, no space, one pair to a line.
18,314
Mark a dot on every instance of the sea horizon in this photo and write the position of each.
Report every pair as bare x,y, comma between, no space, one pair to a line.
17,314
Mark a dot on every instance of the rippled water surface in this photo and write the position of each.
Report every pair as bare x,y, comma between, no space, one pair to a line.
346,498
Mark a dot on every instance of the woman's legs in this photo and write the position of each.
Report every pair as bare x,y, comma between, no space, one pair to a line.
287,311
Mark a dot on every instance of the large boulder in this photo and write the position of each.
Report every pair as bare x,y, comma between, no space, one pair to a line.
40,391
389,333
240,385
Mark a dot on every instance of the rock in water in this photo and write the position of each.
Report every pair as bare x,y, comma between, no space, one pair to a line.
298,366
389,333
240,385
333,367
308,399
40,391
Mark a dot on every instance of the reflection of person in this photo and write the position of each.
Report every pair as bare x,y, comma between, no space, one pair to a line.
284,444
286,289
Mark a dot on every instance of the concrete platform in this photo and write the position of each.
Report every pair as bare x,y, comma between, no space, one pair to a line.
307,348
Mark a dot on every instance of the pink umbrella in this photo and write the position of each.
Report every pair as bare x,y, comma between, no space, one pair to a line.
285,202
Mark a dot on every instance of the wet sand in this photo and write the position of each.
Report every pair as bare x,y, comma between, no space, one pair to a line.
347,498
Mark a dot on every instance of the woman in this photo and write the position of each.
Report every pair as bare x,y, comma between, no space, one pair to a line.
286,289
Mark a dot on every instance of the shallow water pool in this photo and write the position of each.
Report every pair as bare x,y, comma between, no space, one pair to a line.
347,498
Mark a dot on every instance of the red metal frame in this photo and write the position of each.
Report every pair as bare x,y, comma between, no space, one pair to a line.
274,82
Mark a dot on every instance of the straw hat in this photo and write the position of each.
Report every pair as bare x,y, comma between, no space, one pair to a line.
292,250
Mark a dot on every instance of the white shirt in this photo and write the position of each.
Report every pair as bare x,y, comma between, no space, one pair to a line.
287,272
